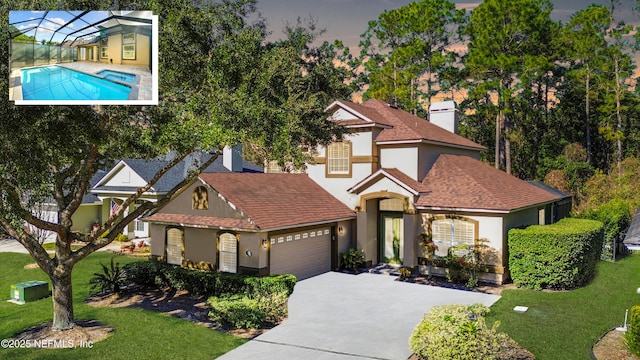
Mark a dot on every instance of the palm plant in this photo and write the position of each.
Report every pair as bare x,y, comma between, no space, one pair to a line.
110,280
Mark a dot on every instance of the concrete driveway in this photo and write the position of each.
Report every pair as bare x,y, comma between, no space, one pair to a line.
343,316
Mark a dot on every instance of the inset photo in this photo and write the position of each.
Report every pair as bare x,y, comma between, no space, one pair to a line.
83,57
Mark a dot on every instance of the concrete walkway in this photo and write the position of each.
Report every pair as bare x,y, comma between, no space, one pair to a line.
343,316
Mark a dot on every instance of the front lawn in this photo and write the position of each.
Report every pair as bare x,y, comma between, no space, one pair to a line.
137,333
565,324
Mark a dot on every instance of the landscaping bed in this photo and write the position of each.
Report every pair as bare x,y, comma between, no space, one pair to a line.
178,303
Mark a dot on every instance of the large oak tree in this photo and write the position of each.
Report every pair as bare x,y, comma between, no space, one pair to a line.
220,83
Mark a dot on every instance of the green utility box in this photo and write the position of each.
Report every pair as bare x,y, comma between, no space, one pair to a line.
29,291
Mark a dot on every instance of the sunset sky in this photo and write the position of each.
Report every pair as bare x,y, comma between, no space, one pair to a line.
347,19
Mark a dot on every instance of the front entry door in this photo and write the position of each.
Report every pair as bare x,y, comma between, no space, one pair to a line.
391,238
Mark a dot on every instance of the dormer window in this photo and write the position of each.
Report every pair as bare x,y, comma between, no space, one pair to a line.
200,198
339,158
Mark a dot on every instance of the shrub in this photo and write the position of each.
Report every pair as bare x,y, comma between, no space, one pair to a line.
237,311
616,217
143,273
558,256
405,273
632,336
460,332
352,259
208,283
110,280
271,284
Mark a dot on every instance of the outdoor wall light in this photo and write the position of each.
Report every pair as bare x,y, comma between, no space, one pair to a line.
340,230
265,242
248,252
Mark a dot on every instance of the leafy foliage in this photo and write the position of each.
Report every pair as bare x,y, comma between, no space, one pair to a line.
223,83
352,259
110,280
207,283
407,50
460,332
238,311
632,336
616,217
558,256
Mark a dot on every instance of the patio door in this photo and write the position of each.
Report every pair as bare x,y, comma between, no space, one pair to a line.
391,237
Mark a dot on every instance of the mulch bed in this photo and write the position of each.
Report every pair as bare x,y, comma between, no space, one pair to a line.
175,303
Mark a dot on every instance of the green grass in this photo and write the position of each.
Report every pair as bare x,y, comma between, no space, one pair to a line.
566,324
138,334
52,246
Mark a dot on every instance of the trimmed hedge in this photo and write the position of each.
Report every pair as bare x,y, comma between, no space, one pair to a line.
616,217
558,256
206,283
460,332
238,301
237,311
632,336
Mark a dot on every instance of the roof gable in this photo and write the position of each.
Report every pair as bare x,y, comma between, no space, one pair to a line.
122,174
462,182
399,125
273,201
394,175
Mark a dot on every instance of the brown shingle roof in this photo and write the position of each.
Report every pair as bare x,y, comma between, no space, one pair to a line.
394,175
278,200
206,221
405,126
463,182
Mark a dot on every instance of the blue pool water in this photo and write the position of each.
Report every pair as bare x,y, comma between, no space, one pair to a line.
117,75
58,83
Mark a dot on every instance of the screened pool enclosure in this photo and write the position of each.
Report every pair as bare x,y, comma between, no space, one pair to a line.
54,37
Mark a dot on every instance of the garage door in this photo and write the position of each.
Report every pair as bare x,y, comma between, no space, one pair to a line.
303,254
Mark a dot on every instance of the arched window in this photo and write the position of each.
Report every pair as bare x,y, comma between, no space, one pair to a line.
453,232
200,198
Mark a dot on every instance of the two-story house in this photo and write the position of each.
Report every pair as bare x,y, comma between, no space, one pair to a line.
404,176
391,178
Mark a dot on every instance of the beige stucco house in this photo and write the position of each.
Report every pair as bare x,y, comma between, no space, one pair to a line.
404,176
391,178
253,224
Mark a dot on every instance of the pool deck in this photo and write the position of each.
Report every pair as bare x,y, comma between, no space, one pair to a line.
142,88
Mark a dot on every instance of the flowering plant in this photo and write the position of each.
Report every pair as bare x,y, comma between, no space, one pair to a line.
428,245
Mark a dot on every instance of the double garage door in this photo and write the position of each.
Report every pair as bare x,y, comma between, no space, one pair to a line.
303,254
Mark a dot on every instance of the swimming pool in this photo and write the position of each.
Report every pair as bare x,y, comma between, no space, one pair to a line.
59,83
117,75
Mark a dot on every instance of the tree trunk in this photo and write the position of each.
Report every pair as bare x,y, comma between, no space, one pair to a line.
587,115
62,299
498,126
619,119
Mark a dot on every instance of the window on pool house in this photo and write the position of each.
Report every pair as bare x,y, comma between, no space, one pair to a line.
453,232
338,158
103,48
129,46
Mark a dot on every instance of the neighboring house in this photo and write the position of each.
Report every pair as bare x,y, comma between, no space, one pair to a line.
253,223
405,176
87,214
128,175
